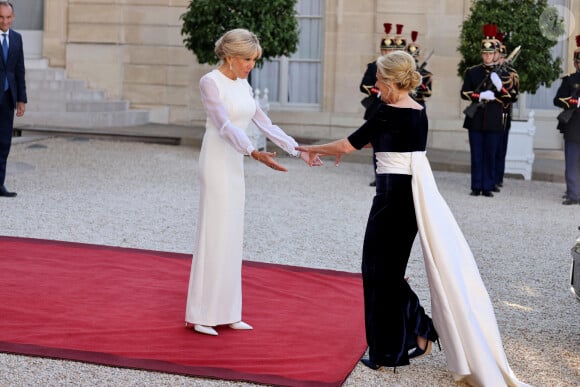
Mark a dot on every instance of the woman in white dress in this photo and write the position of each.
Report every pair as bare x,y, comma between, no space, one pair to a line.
408,201
215,285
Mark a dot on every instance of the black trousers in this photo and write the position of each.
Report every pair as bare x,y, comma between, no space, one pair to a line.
394,316
483,146
6,127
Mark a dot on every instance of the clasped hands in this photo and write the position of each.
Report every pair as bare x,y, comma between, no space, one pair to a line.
312,153
268,159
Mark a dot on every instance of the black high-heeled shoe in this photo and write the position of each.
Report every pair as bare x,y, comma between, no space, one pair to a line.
418,352
373,366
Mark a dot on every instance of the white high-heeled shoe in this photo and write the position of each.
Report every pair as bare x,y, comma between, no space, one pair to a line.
205,330
240,325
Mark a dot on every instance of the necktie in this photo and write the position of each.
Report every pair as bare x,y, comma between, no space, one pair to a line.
5,53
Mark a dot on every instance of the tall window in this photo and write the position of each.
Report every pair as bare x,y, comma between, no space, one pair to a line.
295,83
543,99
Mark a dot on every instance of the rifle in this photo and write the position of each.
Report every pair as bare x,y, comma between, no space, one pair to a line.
511,58
472,109
424,64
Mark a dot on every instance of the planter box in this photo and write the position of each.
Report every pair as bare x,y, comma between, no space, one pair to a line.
520,152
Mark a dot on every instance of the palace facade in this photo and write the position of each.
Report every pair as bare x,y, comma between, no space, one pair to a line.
133,49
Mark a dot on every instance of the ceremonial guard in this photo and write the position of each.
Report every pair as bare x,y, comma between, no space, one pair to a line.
367,86
511,82
567,97
371,101
424,90
482,86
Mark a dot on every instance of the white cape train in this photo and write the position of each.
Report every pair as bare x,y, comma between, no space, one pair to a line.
460,305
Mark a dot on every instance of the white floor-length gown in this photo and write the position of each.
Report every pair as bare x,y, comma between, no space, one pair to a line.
460,305
215,284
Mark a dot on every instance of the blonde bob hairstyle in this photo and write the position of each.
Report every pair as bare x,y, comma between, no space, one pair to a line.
399,68
238,42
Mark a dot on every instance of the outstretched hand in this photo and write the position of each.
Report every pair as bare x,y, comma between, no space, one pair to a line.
267,158
314,152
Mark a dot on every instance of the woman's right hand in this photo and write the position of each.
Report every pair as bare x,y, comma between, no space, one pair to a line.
311,159
267,158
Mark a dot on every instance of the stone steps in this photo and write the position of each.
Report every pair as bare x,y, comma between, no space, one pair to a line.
83,119
78,106
55,101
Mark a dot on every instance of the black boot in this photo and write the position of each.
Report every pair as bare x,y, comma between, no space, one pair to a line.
4,192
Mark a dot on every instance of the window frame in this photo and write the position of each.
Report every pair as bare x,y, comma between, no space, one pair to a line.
281,101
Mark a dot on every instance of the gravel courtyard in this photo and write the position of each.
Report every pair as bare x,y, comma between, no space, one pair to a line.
145,196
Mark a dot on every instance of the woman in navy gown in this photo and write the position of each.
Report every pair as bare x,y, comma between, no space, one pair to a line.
407,201
394,318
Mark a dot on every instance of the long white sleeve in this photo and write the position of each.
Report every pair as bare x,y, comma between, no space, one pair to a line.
217,113
274,133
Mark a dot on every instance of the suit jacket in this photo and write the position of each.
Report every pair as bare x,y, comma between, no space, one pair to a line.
13,68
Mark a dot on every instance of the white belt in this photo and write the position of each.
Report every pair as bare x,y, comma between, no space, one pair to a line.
396,162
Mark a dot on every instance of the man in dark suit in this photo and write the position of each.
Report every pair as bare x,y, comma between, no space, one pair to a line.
13,95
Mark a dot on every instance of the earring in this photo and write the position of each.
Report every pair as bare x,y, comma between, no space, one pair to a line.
231,69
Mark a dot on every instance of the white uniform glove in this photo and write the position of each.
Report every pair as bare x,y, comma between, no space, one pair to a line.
487,95
496,81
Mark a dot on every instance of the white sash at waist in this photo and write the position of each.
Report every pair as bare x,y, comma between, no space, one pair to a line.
394,162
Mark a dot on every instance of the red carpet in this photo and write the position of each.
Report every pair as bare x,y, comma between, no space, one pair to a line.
125,307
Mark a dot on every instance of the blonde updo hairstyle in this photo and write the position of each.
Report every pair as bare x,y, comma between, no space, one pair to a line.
399,68
238,42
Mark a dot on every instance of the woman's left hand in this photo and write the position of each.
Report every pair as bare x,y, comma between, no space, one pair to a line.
267,158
